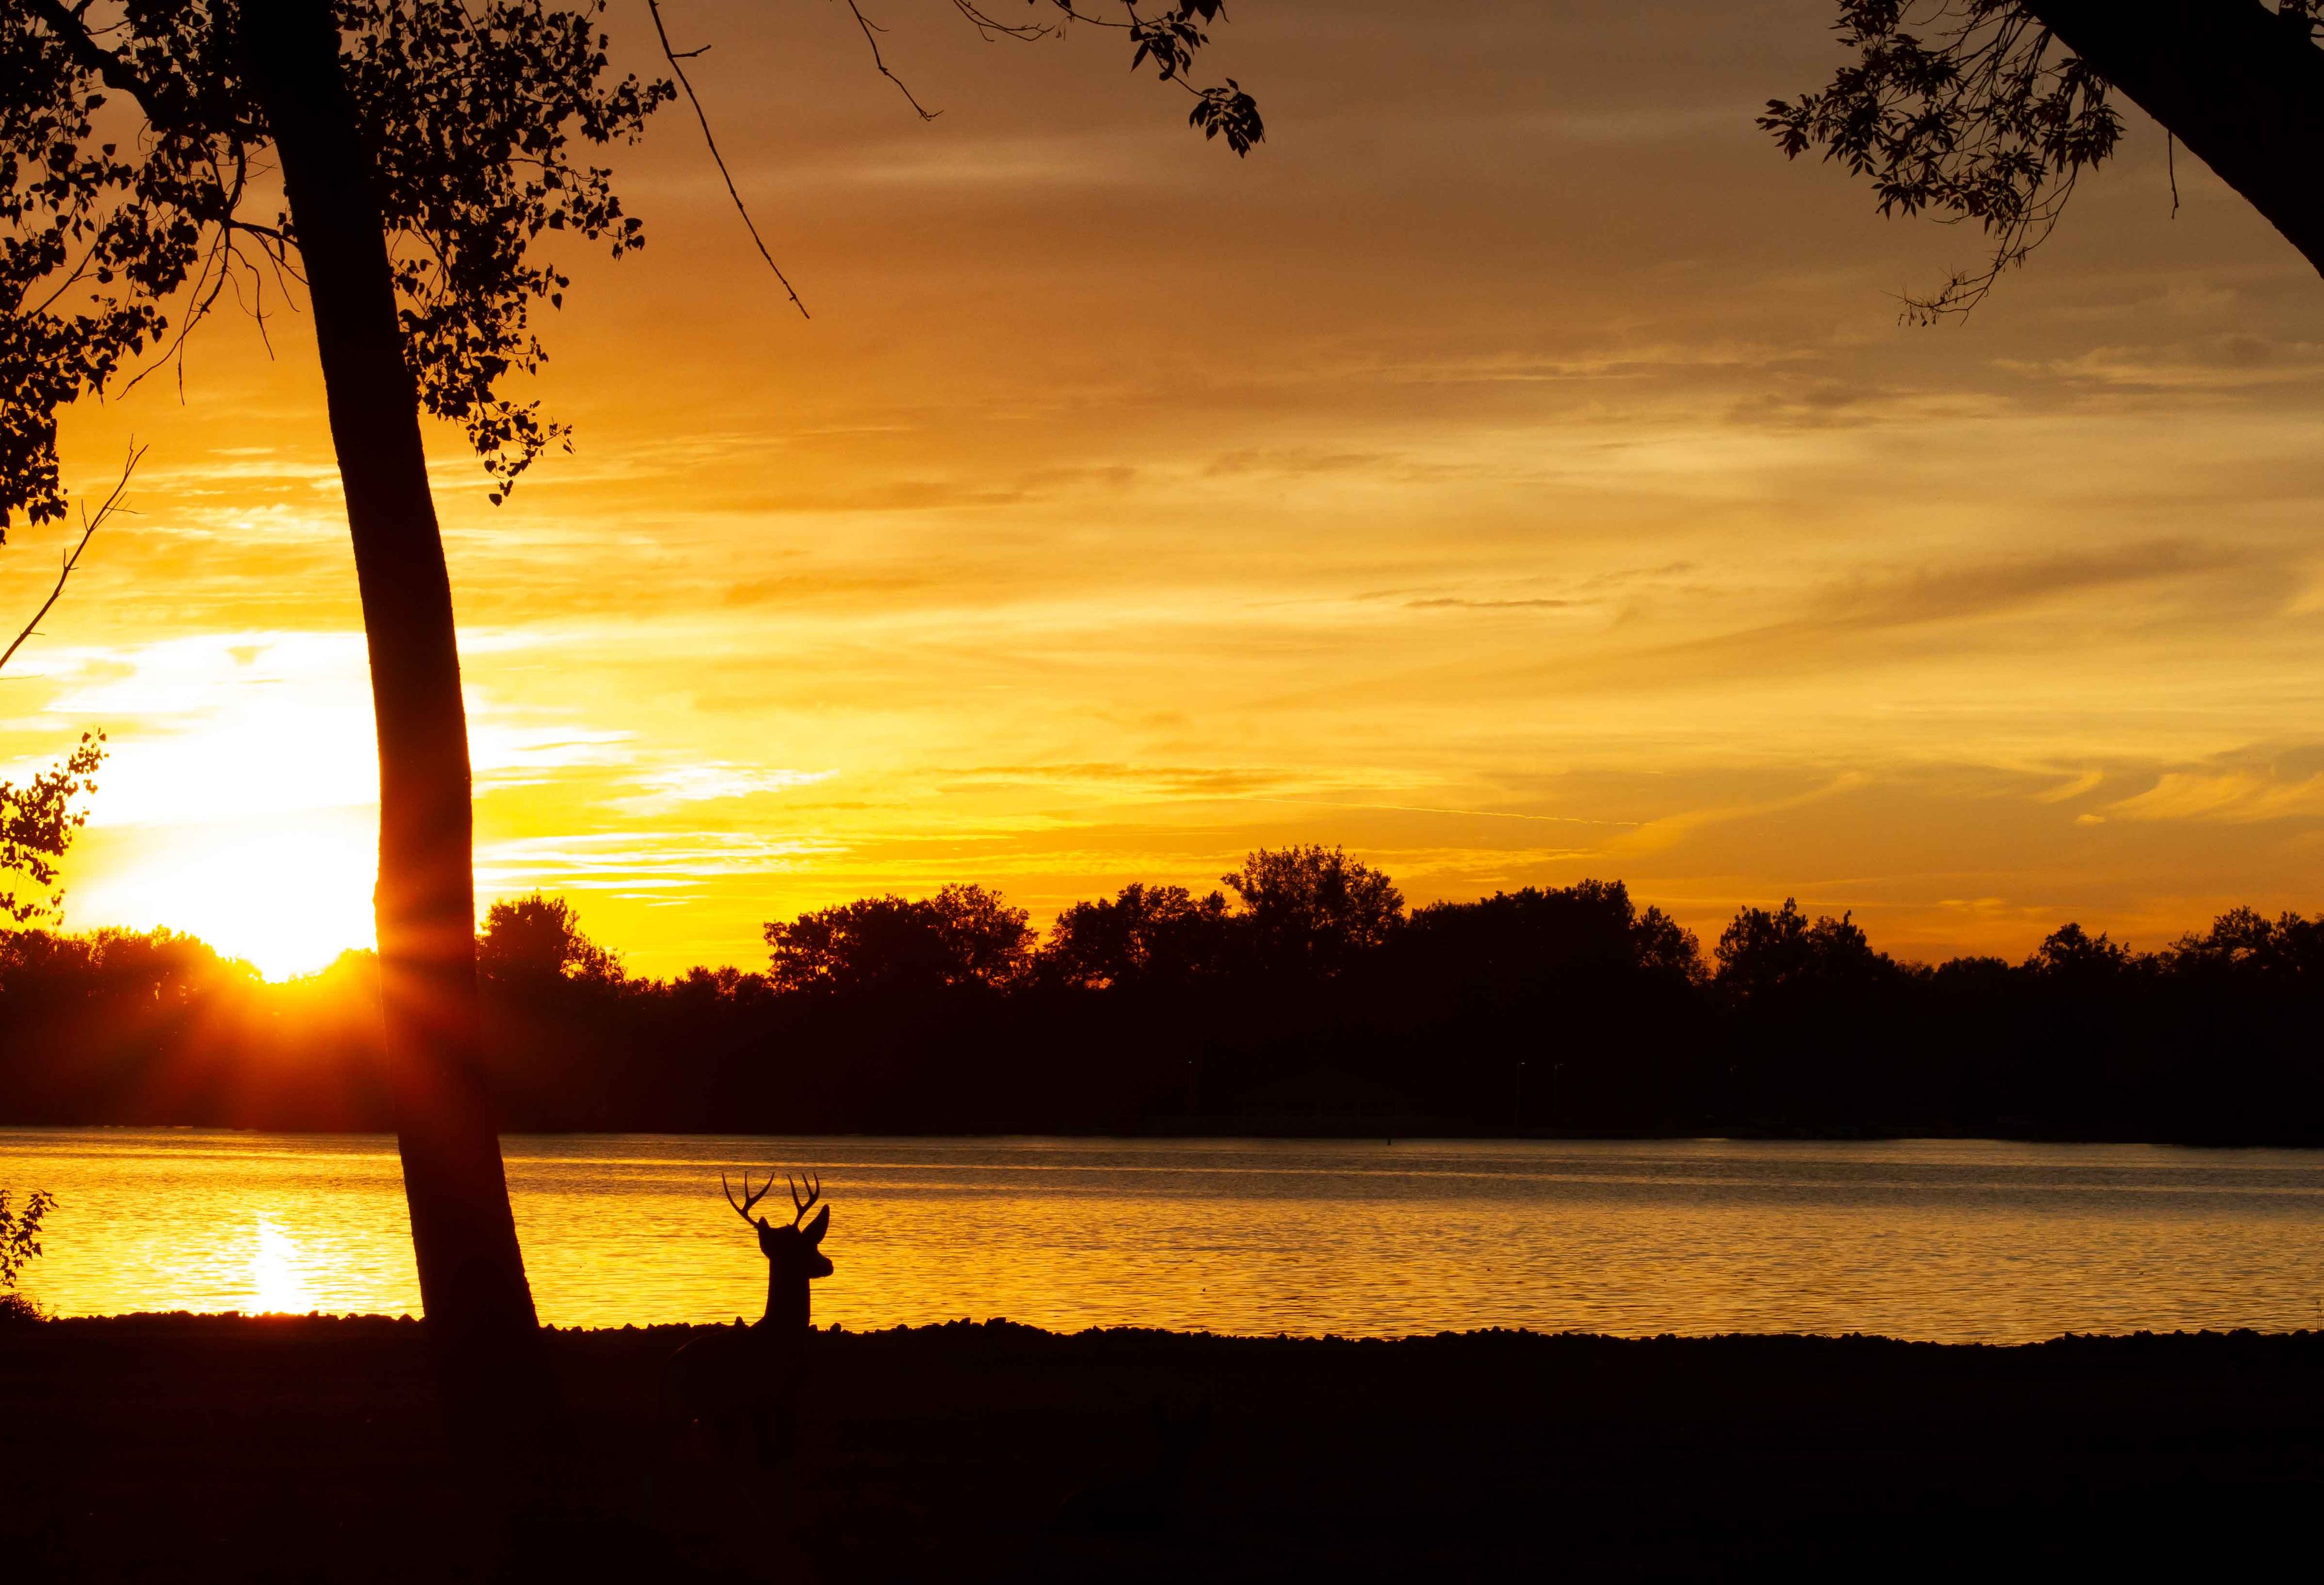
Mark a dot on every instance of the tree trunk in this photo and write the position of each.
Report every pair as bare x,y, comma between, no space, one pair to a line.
2240,86
471,1283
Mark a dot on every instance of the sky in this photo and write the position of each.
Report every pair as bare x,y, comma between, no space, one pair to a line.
1514,471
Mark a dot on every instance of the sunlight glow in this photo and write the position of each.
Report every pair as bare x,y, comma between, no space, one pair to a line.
274,1271
289,899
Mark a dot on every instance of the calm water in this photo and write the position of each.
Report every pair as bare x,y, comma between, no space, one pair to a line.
1938,1239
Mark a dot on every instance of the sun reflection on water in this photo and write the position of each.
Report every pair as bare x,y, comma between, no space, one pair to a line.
274,1272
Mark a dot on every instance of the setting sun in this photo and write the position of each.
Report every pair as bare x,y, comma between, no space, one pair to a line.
287,895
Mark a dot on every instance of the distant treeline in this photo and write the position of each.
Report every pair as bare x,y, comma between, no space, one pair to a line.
1302,997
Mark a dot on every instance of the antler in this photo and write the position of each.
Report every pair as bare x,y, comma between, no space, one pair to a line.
813,1193
749,1198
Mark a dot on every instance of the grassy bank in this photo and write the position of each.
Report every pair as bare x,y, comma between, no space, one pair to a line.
191,1448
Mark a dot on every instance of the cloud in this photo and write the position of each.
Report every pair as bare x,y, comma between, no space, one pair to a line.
639,861
1655,835
710,781
2087,781
1836,616
1447,601
2234,796
1119,776
1986,587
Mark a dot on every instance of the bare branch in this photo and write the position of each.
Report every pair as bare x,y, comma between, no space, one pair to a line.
992,27
673,56
872,29
90,524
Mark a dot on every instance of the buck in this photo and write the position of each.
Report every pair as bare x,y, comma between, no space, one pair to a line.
748,1376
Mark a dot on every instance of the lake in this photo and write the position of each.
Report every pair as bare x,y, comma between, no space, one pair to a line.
1944,1240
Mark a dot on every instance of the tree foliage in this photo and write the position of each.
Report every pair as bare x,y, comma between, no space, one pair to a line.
1145,935
963,935
1562,1008
1967,109
2243,943
130,145
1503,941
1765,951
117,246
534,939
38,822
1168,39
20,1242
2070,952
1313,910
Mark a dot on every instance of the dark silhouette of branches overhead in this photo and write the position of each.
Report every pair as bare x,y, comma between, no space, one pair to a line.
475,115
471,121
677,60
1990,121
1168,38
1990,111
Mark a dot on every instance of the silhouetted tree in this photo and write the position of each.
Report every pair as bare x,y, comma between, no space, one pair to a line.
964,935
1990,110
2245,944
1561,1006
1762,952
1143,936
1511,939
533,939
1979,972
447,129
1667,948
1313,910
447,132
2073,954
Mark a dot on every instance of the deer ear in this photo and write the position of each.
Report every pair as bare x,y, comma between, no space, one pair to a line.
813,1230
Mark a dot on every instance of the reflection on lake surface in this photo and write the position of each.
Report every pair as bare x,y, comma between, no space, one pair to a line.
1943,1240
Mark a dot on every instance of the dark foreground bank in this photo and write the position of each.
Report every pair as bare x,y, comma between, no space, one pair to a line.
184,1449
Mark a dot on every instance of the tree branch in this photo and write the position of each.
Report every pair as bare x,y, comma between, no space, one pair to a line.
2229,79
110,69
673,56
871,31
90,524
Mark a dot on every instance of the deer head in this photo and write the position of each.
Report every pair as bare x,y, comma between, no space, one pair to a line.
794,1254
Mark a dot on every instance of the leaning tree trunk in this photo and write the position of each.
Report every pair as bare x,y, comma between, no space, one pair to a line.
2240,85
471,1283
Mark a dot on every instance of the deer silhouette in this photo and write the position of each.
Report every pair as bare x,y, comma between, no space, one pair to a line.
746,1378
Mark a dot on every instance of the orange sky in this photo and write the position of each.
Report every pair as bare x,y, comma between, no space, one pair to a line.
1514,471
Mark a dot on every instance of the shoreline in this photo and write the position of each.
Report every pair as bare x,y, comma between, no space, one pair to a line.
1250,1136
183,1447
678,1332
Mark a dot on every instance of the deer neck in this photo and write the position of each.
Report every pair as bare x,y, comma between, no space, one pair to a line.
787,1302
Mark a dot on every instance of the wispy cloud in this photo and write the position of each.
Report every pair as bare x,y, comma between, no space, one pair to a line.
2237,797
655,862
711,781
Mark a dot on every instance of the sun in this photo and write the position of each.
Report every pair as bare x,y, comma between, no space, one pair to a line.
288,897
240,801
